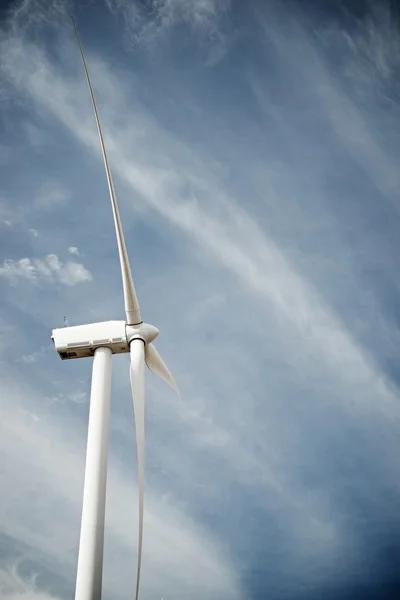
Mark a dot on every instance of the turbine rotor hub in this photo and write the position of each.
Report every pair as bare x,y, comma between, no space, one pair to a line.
141,331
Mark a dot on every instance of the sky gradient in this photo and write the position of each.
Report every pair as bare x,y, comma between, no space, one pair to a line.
255,149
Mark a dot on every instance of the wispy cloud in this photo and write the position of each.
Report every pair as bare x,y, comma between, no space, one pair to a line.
194,555
33,357
237,243
259,234
77,397
356,121
47,269
150,23
5,214
50,196
165,14
14,586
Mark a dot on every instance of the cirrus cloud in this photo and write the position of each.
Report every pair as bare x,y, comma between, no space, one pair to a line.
48,269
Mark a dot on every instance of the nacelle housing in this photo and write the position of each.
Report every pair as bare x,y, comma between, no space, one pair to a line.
82,340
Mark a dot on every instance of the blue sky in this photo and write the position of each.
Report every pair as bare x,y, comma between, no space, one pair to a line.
254,147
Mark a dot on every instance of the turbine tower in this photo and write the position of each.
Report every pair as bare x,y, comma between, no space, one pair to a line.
101,341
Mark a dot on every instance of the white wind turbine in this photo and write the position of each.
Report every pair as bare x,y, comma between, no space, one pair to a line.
102,340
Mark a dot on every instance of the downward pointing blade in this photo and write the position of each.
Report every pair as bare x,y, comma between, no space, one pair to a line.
131,302
158,366
137,384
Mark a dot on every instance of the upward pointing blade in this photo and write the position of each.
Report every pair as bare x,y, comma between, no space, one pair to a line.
131,302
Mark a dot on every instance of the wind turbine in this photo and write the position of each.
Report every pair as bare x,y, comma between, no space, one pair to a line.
102,340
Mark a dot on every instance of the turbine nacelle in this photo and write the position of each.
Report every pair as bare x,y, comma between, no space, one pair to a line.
81,341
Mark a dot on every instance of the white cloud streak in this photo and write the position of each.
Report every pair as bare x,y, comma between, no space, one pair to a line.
351,122
13,586
149,24
236,242
256,296
201,15
193,563
44,270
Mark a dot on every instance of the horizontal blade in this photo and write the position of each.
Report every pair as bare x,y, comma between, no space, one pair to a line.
137,384
158,366
131,302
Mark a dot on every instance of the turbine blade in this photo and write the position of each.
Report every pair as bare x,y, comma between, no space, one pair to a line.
158,366
137,384
131,302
